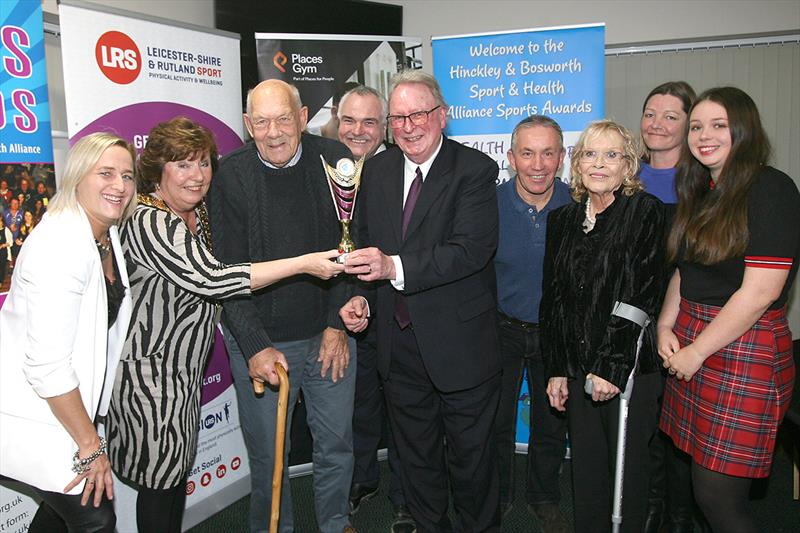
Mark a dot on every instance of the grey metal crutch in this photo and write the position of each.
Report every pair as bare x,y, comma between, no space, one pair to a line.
639,317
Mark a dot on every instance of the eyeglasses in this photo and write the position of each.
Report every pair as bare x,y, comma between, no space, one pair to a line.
280,122
420,118
612,157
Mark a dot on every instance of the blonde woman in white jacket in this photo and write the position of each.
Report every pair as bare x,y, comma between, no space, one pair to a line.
62,328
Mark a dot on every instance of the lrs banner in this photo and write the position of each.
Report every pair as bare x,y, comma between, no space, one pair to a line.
126,73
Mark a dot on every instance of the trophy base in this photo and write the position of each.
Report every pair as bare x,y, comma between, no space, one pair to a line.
341,258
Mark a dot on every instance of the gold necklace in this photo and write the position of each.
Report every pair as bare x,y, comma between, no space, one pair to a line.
200,211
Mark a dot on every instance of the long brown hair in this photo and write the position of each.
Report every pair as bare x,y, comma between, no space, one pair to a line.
711,223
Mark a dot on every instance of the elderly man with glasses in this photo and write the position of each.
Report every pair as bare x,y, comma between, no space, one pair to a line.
270,200
428,224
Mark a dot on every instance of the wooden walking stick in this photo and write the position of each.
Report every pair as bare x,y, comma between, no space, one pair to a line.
280,438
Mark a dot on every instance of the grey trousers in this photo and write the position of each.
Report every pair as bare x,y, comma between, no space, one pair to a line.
330,414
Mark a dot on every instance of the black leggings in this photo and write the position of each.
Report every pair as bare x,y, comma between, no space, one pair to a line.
724,500
63,513
160,510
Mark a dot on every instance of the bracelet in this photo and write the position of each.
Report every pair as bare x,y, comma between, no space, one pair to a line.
81,466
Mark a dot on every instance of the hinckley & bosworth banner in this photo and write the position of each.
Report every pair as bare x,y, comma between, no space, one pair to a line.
491,81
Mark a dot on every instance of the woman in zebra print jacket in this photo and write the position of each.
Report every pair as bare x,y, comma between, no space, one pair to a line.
177,285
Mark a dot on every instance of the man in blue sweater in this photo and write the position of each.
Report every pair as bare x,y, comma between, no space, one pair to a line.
536,155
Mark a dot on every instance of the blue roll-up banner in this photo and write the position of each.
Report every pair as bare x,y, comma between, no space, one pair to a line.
25,115
26,163
491,81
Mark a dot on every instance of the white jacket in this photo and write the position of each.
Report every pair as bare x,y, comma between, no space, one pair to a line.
54,337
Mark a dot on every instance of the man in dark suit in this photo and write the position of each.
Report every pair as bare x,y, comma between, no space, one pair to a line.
427,219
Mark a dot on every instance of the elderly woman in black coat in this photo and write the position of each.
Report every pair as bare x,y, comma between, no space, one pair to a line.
606,247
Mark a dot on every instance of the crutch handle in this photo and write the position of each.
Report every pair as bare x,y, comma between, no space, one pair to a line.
280,438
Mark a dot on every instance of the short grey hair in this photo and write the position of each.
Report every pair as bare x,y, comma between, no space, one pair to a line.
537,120
294,93
363,90
418,76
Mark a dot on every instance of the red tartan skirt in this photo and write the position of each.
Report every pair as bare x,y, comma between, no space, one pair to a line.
727,416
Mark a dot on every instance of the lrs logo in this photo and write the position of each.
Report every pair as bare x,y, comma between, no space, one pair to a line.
279,60
118,57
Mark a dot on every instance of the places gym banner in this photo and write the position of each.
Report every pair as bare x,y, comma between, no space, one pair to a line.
26,147
125,72
25,112
320,66
491,81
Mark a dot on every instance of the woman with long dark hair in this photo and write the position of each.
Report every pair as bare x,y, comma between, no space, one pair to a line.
723,332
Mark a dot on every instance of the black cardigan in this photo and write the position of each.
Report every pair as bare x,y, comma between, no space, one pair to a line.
251,222
621,259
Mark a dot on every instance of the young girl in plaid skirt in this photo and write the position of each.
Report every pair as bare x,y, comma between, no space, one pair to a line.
723,333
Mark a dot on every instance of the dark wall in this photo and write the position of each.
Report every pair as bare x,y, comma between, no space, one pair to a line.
353,17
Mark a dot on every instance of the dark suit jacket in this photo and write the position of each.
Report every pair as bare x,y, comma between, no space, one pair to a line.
447,261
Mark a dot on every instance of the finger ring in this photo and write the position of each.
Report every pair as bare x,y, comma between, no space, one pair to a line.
671,371
90,482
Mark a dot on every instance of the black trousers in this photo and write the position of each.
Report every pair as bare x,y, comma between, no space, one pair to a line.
160,509
520,349
593,436
64,513
369,415
422,417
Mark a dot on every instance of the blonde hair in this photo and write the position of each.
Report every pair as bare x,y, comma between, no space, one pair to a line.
82,158
630,181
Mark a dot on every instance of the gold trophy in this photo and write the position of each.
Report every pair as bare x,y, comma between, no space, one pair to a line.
343,181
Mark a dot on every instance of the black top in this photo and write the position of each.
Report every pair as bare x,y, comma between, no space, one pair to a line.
621,259
773,220
115,292
258,214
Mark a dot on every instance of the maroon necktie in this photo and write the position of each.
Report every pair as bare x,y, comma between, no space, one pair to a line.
401,314
411,200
